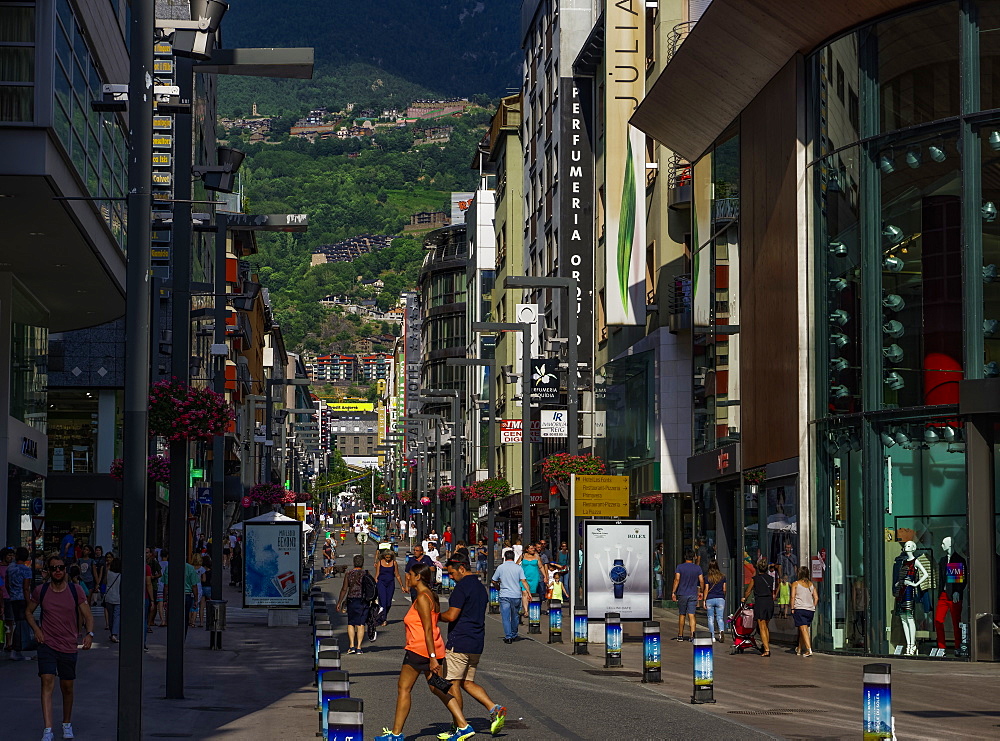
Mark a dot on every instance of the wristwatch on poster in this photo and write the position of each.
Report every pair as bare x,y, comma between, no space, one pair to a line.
618,576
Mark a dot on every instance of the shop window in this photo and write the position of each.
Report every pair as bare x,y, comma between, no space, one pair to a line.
72,431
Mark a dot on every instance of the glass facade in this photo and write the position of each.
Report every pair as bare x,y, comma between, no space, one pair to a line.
904,180
17,62
443,288
715,297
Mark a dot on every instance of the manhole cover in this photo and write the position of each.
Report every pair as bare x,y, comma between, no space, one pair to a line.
612,673
794,686
760,712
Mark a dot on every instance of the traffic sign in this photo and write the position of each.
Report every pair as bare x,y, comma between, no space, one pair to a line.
246,502
204,495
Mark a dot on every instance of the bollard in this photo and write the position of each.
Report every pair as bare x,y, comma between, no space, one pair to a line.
612,640
534,616
878,720
326,644
651,661
703,668
215,622
323,630
494,600
580,631
327,661
319,609
334,685
345,720
555,621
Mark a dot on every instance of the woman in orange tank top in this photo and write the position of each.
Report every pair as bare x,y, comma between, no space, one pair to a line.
424,653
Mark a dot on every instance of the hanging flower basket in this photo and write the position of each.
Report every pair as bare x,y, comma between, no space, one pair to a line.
294,497
754,476
561,466
405,496
447,493
267,494
425,500
178,412
157,469
490,490
385,498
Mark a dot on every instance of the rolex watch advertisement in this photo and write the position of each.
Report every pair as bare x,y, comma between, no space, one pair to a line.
618,567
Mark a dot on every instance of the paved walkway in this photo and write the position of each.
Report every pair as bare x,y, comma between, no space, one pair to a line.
258,687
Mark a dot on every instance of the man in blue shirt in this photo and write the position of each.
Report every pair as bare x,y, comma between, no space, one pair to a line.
510,578
466,637
419,557
67,546
688,581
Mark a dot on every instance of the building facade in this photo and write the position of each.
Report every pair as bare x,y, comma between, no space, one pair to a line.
851,285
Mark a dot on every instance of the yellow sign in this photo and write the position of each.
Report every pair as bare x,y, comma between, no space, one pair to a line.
163,122
161,159
161,178
351,406
162,141
163,66
163,49
601,496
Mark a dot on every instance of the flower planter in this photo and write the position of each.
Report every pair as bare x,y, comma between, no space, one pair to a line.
157,469
561,466
180,412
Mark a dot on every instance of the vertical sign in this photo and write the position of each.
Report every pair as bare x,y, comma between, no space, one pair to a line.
618,568
272,562
576,208
877,680
625,166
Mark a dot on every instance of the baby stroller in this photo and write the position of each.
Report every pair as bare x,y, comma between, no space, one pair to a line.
744,626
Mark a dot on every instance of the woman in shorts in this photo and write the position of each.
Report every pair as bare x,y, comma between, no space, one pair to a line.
804,601
762,587
424,654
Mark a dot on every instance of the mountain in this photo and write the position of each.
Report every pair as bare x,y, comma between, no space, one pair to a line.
453,47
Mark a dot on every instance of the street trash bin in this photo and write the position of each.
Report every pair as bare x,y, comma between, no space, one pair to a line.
215,622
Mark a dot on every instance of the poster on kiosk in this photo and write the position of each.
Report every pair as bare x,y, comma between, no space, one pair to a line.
619,568
272,562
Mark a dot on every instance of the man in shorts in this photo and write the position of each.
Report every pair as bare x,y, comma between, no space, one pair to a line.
64,608
467,614
327,557
688,581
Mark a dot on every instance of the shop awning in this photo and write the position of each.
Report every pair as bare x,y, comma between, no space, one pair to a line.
730,55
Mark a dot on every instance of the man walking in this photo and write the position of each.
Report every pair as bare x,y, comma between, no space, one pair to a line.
688,581
67,546
510,578
191,582
466,638
64,607
419,557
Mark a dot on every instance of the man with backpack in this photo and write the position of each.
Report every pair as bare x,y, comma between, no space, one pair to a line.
64,608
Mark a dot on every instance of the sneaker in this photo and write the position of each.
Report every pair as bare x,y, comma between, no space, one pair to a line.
47,735
358,651
445,735
68,730
352,650
461,734
387,735
498,716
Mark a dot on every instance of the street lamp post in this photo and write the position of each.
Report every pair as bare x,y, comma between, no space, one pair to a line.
491,441
458,521
525,330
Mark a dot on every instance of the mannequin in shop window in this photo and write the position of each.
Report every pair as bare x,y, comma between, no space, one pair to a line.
906,589
952,569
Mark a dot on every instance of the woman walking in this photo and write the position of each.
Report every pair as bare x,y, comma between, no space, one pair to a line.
388,575
356,608
424,651
535,573
113,598
236,566
804,601
206,586
99,569
86,564
762,587
109,557
714,595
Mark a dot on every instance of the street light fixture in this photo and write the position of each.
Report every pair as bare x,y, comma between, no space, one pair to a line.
525,330
458,517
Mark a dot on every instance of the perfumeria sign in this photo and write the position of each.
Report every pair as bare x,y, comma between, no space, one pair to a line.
625,166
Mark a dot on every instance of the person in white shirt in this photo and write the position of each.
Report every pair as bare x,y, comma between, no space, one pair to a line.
435,556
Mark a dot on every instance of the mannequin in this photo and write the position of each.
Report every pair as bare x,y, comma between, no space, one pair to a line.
952,569
911,575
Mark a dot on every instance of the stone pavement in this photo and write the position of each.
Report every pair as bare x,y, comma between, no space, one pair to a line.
258,687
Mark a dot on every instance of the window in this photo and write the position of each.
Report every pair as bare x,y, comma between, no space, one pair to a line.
17,63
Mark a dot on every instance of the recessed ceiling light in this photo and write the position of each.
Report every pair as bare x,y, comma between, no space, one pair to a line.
36,234
6,195
60,264
81,290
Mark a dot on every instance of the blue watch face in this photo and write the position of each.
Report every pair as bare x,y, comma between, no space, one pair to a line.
618,575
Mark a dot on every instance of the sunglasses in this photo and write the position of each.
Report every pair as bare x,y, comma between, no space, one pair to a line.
57,568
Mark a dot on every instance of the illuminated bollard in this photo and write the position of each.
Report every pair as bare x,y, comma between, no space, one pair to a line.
651,661
494,600
345,720
335,685
878,720
329,660
580,631
555,621
322,630
612,640
534,616
703,668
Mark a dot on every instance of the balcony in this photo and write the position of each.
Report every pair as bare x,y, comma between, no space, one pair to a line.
678,182
726,209
677,36
679,304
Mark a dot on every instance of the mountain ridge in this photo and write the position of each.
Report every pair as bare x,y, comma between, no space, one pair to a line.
454,47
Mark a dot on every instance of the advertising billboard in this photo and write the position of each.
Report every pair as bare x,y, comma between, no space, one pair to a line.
618,568
272,564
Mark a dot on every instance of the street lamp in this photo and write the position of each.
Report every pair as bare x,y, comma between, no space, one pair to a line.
491,441
418,421
458,520
525,330
570,285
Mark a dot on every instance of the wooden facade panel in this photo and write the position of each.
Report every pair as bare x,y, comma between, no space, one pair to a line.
768,280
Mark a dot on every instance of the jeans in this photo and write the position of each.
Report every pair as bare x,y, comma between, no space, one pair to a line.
716,623
188,604
509,607
114,617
